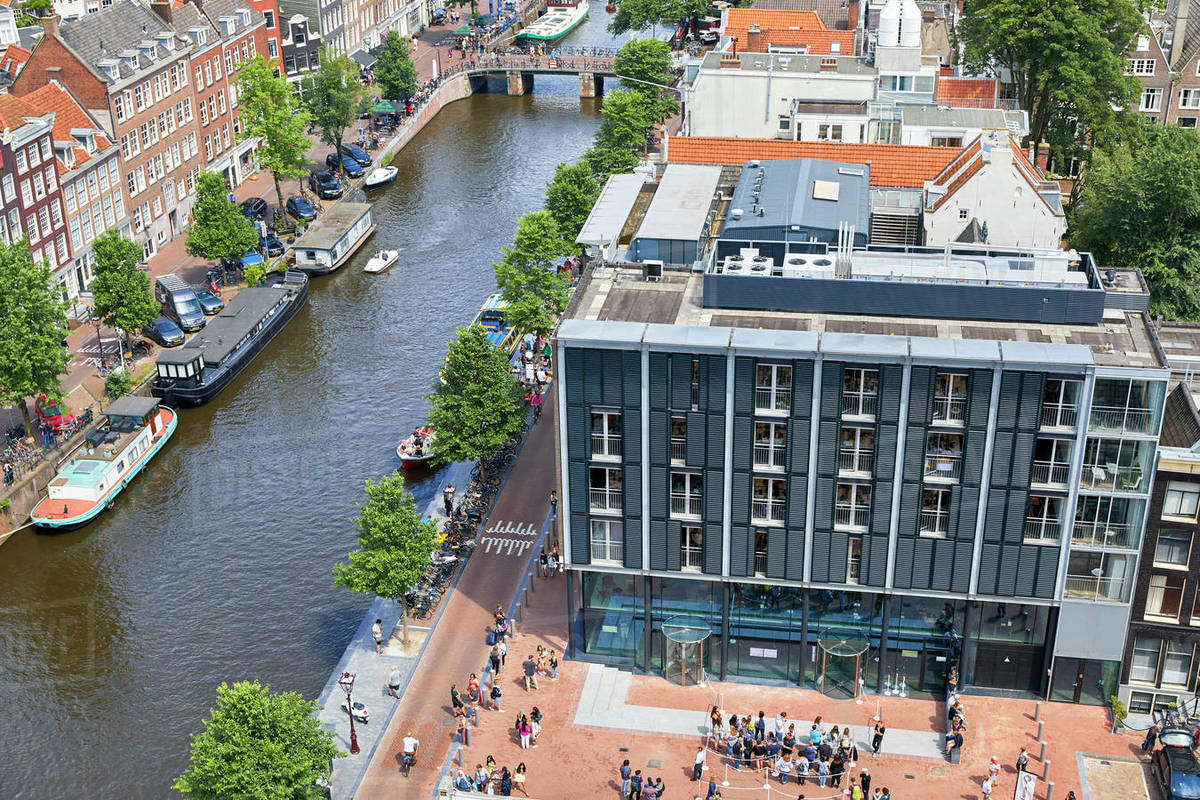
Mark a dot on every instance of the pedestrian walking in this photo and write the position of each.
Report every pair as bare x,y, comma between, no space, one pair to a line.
987,788
393,684
530,667
877,738
377,635
658,784
698,763
448,499
551,564
1023,760
519,778
626,772
1151,738
553,503
544,564
994,770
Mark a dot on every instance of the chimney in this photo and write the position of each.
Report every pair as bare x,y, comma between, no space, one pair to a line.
754,39
1178,34
50,25
163,9
730,60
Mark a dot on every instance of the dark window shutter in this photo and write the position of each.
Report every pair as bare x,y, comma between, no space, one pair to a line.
743,386
823,504
579,445
820,556
660,437
989,569
631,378
739,498
702,386
574,375
952,519
658,545
716,440
993,520
1047,572
714,495
739,553
963,523
920,389
631,490
797,501
593,374
910,509
827,448
1010,398
743,442
943,564
875,560
802,389
891,379
839,545
658,491
715,379
961,582
914,451
1022,458
613,377
980,392
681,381
659,379
831,389
922,563
712,549
633,542
1002,452
1010,557
695,439
631,422
973,449
1033,391
1027,570
1014,523
581,540
902,579
674,544
798,436
776,552
881,507
795,554
886,438
577,477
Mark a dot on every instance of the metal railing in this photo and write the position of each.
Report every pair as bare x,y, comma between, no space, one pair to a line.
935,521
1089,587
1050,473
496,61
604,499
1056,416
768,399
1104,534
691,558
1111,477
946,467
766,455
760,563
767,510
949,409
606,446
1045,530
851,516
679,449
856,461
685,505
1120,419
859,405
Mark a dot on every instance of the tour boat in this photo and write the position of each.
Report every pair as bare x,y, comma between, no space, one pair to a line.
381,260
561,17
105,463
494,318
413,455
380,177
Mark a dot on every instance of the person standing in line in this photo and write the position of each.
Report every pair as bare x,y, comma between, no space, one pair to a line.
649,790
712,789
822,772
1023,760
635,785
394,683
856,792
698,763
626,771
377,635
987,789
660,786
448,500
864,780
502,649
535,724
877,739
494,659
553,665
553,503
530,667
760,727
544,564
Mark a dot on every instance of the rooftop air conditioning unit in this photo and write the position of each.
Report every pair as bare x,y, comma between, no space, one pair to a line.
652,271
736,213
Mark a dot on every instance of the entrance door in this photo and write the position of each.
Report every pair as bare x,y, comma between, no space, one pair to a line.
1083,680
1007,666
173,217
841,675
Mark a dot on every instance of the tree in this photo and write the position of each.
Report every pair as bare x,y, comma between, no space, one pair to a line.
394,70
1067,60
647,61
334,97
477,405
1140,207
394,544
121,296
32,10
271,110
622,133
33,327
258,745
641,15
570,196
528,277
221,231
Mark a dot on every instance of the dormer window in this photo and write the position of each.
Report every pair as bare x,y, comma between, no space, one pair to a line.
243,15
227,25
110,69
167,41
150,51
197,36
130,60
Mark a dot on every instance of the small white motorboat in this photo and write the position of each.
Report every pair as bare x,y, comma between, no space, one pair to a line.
380,177
381,260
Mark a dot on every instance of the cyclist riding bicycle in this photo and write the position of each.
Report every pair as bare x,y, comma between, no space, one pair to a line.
410,751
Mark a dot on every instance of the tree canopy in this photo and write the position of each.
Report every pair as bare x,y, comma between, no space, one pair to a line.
258,745
121,293
642,15
528,276
271,110
1140,207
622,133
334,97
34,314
647,60
477,406
570,195
394,70
221,231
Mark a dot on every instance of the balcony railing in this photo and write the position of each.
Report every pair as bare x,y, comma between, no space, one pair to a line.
859,405
1111,477
1055,416
1050,473
851,516
606,446
1120,420
767,510
769,399
1089,587
935,521
760,563
1104,534
679,449
1045,530
949,409
685,505
945,467
856,461
604,499
766,455
691,558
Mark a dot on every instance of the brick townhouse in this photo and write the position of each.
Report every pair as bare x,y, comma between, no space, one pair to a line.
1166,60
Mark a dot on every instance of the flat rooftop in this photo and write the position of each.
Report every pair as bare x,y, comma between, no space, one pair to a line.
681,204
1121,339
791,63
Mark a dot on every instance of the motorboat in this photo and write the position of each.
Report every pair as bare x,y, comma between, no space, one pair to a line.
493,316
380,177
561,17
381,260
416,451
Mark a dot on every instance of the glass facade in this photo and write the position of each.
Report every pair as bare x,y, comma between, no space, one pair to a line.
612,615
1083,680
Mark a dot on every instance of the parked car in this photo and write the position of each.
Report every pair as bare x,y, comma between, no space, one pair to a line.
179,302
325,185
1175,766
209,301
254,208
344,163
53,413
271,244
165,332
358,154
300,208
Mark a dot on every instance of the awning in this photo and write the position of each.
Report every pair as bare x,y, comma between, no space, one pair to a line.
364,59
384,107
440,10
251,258
463,30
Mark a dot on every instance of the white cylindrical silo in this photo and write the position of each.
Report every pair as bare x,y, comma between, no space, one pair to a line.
889,24
910,24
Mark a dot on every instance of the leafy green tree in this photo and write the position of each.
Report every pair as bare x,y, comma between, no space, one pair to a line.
394,544
258,745
647,61
622,133
477,404
221,231
1140,207
394,70
33,324
1067,60
121,293
642,15
570,196
334,97
528,277
271,110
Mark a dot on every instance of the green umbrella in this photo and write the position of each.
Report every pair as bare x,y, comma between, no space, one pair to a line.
464,30
384,107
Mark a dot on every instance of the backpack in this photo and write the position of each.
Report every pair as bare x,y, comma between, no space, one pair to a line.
497,692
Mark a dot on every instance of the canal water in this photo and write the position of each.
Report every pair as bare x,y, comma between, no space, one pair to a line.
214,565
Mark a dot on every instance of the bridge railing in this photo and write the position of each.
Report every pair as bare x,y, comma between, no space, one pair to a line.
566,64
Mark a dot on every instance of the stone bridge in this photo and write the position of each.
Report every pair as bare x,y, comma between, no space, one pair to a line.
518,71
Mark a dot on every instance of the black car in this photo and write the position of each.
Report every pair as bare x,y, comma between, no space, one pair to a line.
210,303
1175,766
165,332
325,185
358,154
254,208
300,208
344,163
271,245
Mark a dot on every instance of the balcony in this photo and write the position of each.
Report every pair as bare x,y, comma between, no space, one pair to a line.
760,563
767,510
1055,416
679,450
691,558
944,467
604,499
768,456
685,505
1050,473
1104,534
1112,478
1118,419
950,409
859,405
1089,587
1042,530
606,446
772,400
847,516
935,522
856,461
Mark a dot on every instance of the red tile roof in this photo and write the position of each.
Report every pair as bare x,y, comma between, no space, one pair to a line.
68,116
786,29
12,58
891,164
967,92
739,19
14,110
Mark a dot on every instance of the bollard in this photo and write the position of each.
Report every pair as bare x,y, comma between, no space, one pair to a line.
1037,712
475,716
460,758
1050,791
1041,730
1043,758
466,737
1046,771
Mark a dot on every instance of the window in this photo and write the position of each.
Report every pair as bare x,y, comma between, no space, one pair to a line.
606,434
962,213
39,186
770,445
1099,576
1165,596
1177,664
604,489
272,48
10,193
829,133
1181,500
22,162
270,18
1144,666
853,506
943,456
1151,100
678,439
854,560
1147,703
760,551
1060,402
1141,66
947,141
691,547
1116,465
860,392
1173,547
1042,519
773,387
857,453
949,397
1187,122
26,193
935,512
1189,98
769,498
785,122
608,540
1051,462
687,489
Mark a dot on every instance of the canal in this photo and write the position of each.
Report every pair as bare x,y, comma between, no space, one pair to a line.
214,565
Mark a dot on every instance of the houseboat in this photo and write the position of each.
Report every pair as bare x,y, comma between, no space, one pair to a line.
105,462
492,316
333,238
195,373
561,17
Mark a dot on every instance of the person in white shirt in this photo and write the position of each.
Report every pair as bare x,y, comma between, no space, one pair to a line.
780,724
410,746
783,767
698,767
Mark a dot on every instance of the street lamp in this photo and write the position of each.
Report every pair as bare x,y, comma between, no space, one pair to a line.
347,684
